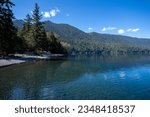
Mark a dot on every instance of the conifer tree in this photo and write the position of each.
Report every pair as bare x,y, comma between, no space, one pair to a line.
8,33
38,31
28,23
26,34
55,46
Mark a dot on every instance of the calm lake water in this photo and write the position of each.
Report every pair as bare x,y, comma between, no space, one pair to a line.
78,78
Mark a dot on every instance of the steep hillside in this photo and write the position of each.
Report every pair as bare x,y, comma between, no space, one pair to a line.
65,31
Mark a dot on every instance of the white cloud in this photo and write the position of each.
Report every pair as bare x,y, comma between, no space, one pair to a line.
129,30
104,29
121,31
90,29
51,13
133,30
46,14
108,29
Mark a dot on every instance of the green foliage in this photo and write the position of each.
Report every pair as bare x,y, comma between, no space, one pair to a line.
28,24
25,34
34,33
8,33
38,31
35,38
54,45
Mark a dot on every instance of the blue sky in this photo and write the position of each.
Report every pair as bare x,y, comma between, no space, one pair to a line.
123,17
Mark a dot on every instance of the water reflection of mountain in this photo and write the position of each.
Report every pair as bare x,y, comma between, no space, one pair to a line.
26,81
32,76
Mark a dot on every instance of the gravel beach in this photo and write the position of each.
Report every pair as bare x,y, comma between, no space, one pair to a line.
7,62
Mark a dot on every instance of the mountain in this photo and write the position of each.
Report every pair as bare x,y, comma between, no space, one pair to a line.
65,31
108,38
79,40
18,23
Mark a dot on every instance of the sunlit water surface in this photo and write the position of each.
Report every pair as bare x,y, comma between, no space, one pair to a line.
78,78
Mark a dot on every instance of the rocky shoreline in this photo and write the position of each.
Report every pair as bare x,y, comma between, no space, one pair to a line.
8,62
22,58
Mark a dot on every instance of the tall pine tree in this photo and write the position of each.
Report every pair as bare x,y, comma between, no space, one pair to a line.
38,31
28,23
26,35
8,33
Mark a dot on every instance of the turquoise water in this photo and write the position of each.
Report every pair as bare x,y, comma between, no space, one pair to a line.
78,78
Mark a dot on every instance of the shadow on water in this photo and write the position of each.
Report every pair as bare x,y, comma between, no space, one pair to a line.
84,77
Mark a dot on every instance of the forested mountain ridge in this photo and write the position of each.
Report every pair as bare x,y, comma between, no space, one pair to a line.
68,32
82,42
65,31
121,39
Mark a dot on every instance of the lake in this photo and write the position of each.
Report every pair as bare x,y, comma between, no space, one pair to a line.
83,78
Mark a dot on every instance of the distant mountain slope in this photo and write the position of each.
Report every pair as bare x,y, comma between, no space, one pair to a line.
18,23
107,38
69,33
65,31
